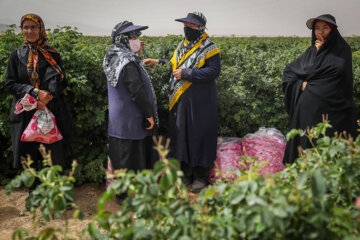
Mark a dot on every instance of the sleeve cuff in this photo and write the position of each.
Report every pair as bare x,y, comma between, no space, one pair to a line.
163,61
186,74
34,93
148,115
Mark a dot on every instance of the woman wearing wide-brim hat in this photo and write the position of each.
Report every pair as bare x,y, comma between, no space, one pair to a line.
132,104
193,101
320,82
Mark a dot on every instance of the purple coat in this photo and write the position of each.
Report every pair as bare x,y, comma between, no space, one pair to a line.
126,116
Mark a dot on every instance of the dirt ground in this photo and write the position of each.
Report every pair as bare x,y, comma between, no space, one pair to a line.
13,215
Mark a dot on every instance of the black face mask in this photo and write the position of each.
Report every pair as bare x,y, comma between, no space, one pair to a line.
191,34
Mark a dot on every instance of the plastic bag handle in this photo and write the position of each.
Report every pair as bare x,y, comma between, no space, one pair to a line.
19,107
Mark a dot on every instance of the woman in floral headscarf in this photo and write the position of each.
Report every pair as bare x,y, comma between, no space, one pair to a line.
36,69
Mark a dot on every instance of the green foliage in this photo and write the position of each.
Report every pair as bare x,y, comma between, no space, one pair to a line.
8,42
249,88
311,199
53,195
157,206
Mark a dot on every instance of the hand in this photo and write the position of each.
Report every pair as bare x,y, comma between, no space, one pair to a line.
303,85
151,121
40,105
44,96
142,44
319,42
177,74
150,62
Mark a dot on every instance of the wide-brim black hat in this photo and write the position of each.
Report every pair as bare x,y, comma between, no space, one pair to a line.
193,18
126,27
325,17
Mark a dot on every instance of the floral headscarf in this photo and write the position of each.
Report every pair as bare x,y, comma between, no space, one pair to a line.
41,45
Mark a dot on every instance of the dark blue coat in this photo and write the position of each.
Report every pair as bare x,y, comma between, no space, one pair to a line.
193,123
131,101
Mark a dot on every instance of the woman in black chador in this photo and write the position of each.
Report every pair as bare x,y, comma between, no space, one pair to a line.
320,82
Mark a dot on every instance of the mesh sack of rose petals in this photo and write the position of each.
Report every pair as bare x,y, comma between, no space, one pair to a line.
227,160
267,145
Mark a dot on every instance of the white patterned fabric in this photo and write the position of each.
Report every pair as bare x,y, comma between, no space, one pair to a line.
191,62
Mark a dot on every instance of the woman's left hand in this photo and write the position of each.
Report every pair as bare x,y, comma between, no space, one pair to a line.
40,105
303,85
44,96
177,74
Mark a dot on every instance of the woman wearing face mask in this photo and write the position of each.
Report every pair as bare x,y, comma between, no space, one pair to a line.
132,105
320,82
193,101
36,69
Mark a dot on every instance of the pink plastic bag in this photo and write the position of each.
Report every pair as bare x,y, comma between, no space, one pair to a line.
110,170
42,126
227,161
267,144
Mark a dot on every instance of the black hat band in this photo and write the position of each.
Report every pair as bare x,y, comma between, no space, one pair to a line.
120,29
198,18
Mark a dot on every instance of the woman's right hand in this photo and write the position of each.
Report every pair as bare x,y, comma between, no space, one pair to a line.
40,105
319,42
150,62
44,96
151,121
303,85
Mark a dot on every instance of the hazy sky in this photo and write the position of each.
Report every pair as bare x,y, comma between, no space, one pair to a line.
225,17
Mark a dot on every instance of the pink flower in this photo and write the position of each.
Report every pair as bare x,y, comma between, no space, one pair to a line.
53,131
53,139
39,139
34,126
31,100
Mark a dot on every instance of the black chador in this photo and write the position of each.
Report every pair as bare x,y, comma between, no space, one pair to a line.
329,90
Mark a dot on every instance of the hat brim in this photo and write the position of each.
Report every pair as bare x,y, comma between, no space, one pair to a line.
184,20
311,21
134,28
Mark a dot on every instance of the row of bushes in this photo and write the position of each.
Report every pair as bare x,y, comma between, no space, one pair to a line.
312,199
249,88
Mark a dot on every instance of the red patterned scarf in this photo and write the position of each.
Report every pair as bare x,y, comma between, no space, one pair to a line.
41,45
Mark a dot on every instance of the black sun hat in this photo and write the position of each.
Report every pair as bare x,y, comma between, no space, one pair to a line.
325,17
196,18
125,27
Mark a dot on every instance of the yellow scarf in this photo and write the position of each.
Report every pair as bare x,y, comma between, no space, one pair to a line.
195,58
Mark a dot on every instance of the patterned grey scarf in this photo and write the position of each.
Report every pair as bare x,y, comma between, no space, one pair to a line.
117,56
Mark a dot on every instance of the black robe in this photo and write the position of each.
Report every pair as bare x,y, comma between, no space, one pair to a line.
193,122
329,90
17,81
